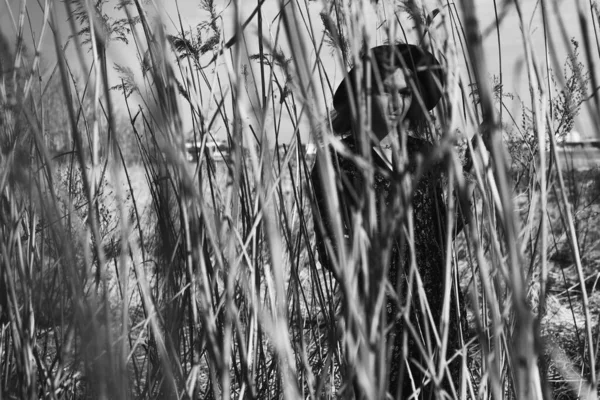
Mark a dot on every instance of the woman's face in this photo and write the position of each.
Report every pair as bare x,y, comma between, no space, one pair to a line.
389,108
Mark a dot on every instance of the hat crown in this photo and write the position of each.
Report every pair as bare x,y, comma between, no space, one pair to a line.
427,72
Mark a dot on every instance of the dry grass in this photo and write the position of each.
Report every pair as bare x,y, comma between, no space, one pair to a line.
128,272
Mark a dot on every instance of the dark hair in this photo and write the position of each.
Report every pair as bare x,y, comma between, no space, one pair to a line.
427,75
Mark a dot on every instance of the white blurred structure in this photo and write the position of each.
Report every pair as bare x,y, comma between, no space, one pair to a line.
579,153
216,150
573,137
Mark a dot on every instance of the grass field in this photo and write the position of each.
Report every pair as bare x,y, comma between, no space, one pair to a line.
127,271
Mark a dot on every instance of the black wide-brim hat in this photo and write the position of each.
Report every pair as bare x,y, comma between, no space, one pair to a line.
426,71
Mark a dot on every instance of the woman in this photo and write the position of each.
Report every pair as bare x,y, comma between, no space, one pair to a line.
406,83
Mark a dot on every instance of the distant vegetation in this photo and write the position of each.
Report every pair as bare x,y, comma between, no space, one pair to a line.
129,270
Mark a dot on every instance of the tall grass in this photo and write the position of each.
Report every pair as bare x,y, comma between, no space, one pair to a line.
129,272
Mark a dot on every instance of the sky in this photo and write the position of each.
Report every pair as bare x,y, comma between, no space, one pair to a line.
188,14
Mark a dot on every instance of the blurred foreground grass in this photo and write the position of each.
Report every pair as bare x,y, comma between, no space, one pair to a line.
127,271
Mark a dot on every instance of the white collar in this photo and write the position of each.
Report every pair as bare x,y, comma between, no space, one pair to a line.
383,149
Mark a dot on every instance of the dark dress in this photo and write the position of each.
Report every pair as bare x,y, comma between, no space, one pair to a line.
429,217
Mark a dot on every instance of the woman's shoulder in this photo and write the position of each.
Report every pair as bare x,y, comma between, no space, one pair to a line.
415,147
418,145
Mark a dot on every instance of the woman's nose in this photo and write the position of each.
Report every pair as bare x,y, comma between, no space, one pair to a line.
397,101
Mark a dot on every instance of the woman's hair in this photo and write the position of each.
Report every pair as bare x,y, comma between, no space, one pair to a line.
426,74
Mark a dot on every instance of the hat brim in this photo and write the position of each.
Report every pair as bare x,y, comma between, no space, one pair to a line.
425,68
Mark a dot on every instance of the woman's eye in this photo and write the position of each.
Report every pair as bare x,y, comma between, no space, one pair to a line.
404,92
